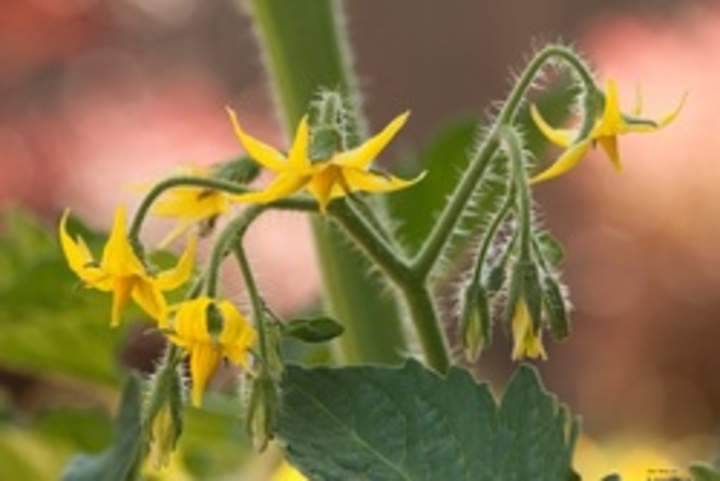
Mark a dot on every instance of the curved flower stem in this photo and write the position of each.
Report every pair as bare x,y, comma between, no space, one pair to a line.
252,291
429,253
477,275
513,146
180,181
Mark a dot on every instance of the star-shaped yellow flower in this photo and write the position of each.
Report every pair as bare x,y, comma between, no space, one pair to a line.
192,334
341,174
189,205
121,272
605,131
526,343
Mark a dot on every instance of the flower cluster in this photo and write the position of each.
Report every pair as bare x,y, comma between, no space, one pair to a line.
208,329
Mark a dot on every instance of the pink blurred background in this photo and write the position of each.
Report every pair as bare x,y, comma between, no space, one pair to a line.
99,96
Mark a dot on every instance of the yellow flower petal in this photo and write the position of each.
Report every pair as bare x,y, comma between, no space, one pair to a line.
195,203
361,157
204,361
298,155
525,342
147,295
122,288
569,159
638,108
671,116
262,153
610,146
561,137
79,257
191,321
118,258
283,185
322,183
178,275
373,182
237,335
611,122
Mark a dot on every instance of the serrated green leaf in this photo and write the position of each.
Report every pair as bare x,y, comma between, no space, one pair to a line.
317,329
409,424
121,461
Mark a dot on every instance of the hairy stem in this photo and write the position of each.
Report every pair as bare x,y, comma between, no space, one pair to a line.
181,181
430,251
252,290
306,50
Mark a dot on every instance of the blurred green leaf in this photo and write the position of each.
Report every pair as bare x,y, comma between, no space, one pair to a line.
704,472
409,424
122,460
444,159
49,324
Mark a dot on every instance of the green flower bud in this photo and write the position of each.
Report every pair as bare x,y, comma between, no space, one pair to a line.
555,308
262,412
475,323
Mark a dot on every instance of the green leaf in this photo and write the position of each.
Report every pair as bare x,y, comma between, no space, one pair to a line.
317,329
704,472
409,424
49,324
121,461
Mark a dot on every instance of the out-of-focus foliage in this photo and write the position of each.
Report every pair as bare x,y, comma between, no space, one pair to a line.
50,324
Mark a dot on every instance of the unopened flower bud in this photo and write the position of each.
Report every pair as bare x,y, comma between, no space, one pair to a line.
262,412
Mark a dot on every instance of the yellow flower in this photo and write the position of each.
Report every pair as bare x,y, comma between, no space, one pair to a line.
121,272
286,472
341,174
526,342
605,131
192,334
190,204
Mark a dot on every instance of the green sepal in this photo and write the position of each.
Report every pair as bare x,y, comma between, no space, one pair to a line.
476,323
556,311
514,293
242,170
532,292
550,248
704,472
313,330
325,142
612,477
262,412
214,322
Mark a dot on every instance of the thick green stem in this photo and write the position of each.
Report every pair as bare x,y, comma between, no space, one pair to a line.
305,50
429,253
425,319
